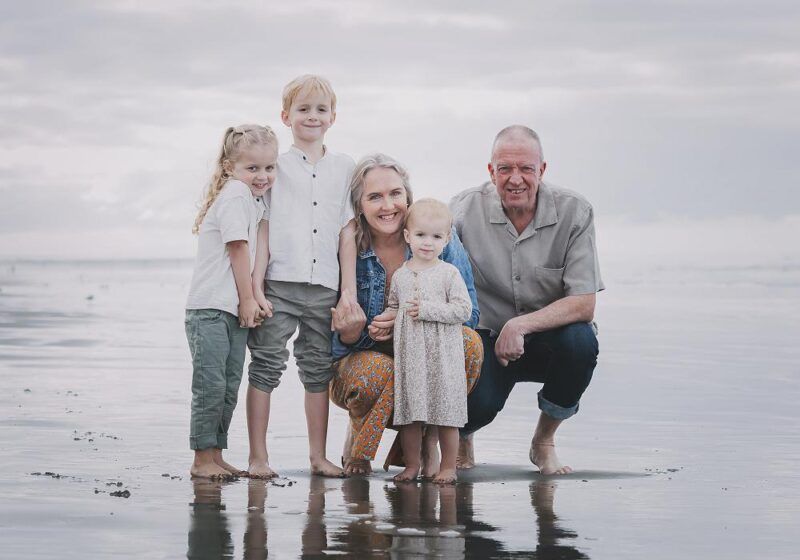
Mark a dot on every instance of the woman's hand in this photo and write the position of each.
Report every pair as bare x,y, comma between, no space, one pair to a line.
347,318
382,325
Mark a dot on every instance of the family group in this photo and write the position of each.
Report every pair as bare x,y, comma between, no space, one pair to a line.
413,315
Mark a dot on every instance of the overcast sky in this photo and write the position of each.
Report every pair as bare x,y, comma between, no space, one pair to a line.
675,118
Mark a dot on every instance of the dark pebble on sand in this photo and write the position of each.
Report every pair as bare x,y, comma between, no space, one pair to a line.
165,475
121,494
27,390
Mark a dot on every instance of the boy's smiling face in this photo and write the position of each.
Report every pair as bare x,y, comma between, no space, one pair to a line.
309,117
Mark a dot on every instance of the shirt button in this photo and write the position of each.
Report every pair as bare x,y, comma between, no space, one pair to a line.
314,175
315,203
314,260
517,278
315,231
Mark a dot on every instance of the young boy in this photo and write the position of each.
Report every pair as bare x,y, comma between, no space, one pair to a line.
310,208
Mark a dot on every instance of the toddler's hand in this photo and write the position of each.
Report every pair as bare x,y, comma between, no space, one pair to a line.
379,334
412,308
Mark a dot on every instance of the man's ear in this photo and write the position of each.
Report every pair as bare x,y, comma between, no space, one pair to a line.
544,166
491,172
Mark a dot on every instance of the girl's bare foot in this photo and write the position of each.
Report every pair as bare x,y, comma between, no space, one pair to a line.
260,469
430,453
407,475
227,466
204,466
543,455
323,467
357,466
466,453
446,476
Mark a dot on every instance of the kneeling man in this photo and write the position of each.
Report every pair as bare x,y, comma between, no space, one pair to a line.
534,258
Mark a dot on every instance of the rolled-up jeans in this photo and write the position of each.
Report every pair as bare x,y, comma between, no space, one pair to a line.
217,344
563,359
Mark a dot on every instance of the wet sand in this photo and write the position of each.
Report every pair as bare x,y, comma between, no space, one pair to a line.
686,444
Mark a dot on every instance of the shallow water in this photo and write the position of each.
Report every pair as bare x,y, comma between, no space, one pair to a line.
686,445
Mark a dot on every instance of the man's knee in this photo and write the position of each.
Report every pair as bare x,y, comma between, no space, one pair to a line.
576,343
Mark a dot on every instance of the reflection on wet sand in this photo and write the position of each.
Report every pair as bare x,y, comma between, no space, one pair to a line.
422,520
209,535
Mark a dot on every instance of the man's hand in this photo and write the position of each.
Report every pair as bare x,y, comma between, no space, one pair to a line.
382,325
510,345
250,314
347,318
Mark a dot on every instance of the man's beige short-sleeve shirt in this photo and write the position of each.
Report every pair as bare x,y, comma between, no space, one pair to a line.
554,256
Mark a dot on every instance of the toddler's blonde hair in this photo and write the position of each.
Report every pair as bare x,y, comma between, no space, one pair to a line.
431,208
305,84
235,140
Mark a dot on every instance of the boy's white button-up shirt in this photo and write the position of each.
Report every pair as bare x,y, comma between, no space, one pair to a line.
309,206
233,216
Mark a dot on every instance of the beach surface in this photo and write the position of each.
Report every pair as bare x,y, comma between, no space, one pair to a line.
687,443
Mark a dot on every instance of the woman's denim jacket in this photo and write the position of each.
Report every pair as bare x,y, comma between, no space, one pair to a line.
371,285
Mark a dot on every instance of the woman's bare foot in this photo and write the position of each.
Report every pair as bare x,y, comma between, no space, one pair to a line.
446,476
260,469
408,474
357,466
323,467
227,466
466,453
543,455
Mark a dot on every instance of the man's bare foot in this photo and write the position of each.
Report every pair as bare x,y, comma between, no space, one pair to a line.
466,453
210,470
446,476
357,466
260,469
408,474
543,455
227,466
323,467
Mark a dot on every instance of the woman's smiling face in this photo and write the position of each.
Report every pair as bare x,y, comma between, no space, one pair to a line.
384,201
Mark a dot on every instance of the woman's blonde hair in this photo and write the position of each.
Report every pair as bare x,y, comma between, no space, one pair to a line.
235,140
364,166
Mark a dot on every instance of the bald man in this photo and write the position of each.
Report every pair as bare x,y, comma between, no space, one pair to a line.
533,252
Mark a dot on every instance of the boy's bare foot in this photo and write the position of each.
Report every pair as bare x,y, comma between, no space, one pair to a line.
466,453
227,466
543,455
211,471
446,476
260,469
408,474
357,466
323,467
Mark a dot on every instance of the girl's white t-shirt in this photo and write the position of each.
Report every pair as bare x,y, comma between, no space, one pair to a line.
233,216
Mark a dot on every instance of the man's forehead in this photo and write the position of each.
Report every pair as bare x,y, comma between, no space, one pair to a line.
515,147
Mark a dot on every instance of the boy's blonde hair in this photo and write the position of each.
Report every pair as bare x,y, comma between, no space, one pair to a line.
235,139
429,207
305,84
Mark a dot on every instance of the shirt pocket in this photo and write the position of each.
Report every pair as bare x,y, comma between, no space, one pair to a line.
549,284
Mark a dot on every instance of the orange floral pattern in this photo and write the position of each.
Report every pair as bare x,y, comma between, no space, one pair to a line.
364,386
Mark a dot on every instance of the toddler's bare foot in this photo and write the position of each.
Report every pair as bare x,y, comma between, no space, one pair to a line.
357,466
407,475
227,466
260,469
446,476
210,470
466,453
323,467
543,455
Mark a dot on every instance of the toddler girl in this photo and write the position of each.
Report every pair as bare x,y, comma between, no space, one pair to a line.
431,302
221,305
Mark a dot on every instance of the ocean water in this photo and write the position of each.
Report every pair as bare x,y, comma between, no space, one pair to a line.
686,444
